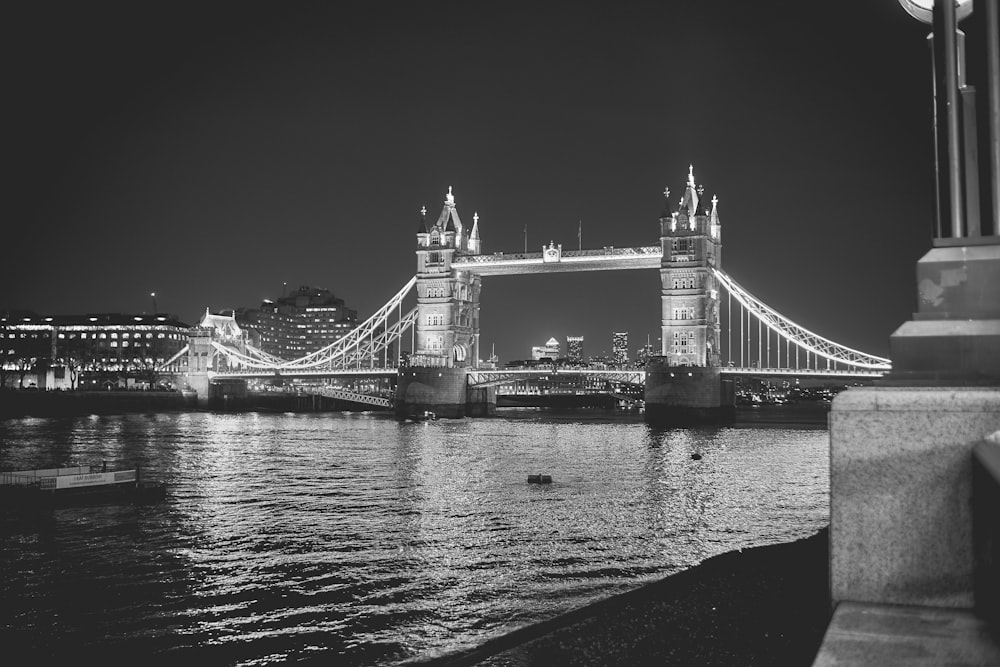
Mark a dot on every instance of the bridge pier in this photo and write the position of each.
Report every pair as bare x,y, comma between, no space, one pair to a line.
443,391
687,395
199,354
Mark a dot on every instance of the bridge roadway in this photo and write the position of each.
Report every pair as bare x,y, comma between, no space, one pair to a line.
552,259
484,378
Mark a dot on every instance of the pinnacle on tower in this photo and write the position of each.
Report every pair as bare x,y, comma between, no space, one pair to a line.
668,210
448,221
422,228
700,206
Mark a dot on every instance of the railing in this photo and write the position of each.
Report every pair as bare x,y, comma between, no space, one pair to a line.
814,372
28,477
486,378
355,397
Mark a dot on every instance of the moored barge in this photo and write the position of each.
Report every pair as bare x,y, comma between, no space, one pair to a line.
76,485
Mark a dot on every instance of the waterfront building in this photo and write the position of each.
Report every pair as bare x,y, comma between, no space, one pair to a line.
619,347
574,349
298,324
548,351
96,350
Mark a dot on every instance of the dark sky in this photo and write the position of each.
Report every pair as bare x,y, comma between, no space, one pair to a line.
211,152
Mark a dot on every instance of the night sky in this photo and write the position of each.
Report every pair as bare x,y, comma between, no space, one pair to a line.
211,152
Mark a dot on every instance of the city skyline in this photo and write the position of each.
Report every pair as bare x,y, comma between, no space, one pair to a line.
213,161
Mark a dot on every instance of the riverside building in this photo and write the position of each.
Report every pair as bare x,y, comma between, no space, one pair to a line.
96,350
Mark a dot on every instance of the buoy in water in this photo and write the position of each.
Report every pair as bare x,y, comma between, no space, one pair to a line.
696,456
539,479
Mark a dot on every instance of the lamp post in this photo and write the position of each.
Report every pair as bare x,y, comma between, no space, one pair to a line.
956,145
153,296
948,50
954,337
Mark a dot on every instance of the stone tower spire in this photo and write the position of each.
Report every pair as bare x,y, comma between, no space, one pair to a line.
423,233
475,243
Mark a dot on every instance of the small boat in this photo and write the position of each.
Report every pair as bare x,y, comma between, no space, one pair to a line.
424,416
539,479
77,485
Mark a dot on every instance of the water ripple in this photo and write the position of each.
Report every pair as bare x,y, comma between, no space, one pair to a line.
357,539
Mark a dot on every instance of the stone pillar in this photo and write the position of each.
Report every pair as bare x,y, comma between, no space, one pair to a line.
228,395
199,354
442,391
954,337
685,396
901,451
901,492
481,402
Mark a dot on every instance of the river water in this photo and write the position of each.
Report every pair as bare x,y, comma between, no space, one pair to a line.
362,541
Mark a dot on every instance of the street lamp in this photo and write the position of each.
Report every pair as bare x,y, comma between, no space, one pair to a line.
948,48
153,295
956,145
954,337
922,10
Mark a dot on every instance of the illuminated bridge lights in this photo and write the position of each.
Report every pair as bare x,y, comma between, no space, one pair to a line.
364,351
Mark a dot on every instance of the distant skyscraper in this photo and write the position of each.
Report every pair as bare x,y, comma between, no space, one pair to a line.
574,349
619,347
643,354
550,350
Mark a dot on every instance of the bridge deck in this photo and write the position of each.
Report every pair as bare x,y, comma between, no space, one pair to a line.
482,376
604,259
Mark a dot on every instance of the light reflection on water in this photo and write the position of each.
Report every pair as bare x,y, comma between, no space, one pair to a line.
366,541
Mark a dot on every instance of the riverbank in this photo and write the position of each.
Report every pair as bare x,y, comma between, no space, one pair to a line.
763,606
24,403
14,404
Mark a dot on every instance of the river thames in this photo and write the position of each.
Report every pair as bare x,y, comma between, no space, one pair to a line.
359,540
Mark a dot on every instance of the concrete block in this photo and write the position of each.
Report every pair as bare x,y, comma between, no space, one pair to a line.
880,635
900,487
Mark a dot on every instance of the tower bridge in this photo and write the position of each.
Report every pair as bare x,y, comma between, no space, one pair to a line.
689,381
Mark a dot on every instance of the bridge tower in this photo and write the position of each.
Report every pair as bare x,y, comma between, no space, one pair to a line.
447,326
683,384
199,356
691,237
